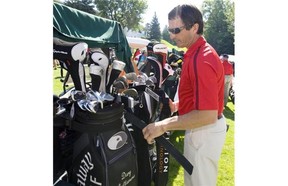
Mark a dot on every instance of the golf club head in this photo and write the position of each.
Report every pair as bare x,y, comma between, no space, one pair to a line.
157,69
96,73
77,95
71,51
174,60
153,79
131,92
93,106
99,98
131,76
120,84
141,79
114,72
81,104
99,57
106,96
72,54
150,83
161,51
167,71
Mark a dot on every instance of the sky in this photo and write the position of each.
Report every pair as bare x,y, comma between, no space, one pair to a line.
162,8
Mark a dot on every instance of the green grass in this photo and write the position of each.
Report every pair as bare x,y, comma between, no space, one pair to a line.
57,84
176,172
173,46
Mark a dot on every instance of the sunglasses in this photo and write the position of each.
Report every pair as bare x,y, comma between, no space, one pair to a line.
176,30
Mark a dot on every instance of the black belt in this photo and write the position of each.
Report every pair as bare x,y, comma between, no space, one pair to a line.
220,116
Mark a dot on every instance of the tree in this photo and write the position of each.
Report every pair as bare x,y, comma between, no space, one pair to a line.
166,35
147,30
84,5
154,32
127,12
218,18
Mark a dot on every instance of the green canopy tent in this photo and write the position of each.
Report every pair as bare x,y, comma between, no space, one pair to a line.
73,25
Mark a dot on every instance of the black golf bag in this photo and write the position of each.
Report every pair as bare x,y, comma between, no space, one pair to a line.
105,153
98,149
95,141
92,145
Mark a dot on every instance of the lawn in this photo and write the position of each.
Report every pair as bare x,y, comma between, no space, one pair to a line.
176,172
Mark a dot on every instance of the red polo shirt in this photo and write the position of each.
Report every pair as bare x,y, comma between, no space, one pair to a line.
228,67
202,79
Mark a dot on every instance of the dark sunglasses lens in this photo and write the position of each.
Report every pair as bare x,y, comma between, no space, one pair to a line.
174,30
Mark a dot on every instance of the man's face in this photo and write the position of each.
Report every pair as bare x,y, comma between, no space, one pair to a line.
178,33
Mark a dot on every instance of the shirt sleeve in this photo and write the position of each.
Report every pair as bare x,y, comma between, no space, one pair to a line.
206,87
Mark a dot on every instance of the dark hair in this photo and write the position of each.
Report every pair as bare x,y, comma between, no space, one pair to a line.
189,14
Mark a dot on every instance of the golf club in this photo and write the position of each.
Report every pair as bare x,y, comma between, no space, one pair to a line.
114,72
100,58
96,73
72,54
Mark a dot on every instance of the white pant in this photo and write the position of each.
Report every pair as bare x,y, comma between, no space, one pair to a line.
227,86
203,147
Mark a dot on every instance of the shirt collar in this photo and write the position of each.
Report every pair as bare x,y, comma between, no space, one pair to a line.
200,41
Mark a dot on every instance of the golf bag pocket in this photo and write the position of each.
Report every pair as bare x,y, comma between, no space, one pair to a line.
106,158
119,157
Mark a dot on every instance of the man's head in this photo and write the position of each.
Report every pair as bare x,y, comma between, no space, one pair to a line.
189,14
225,57
185,24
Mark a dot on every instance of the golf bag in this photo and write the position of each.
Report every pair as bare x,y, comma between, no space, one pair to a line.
92,145
105,153
157,67
94,141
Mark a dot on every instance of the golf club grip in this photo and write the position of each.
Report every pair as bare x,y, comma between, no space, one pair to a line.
167,144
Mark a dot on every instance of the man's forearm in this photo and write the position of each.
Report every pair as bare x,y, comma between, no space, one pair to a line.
191,120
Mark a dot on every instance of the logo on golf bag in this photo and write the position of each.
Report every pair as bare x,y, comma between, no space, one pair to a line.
85,166
117,140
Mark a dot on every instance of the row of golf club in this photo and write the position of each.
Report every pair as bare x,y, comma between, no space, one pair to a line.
92,100
104,80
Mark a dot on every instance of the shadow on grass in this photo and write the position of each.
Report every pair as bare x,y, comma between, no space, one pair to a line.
228,113
59,77
177,139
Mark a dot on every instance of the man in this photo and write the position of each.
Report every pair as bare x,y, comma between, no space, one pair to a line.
228,71
200,103
142,59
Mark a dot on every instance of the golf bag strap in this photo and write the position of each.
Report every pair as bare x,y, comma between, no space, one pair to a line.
167,144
